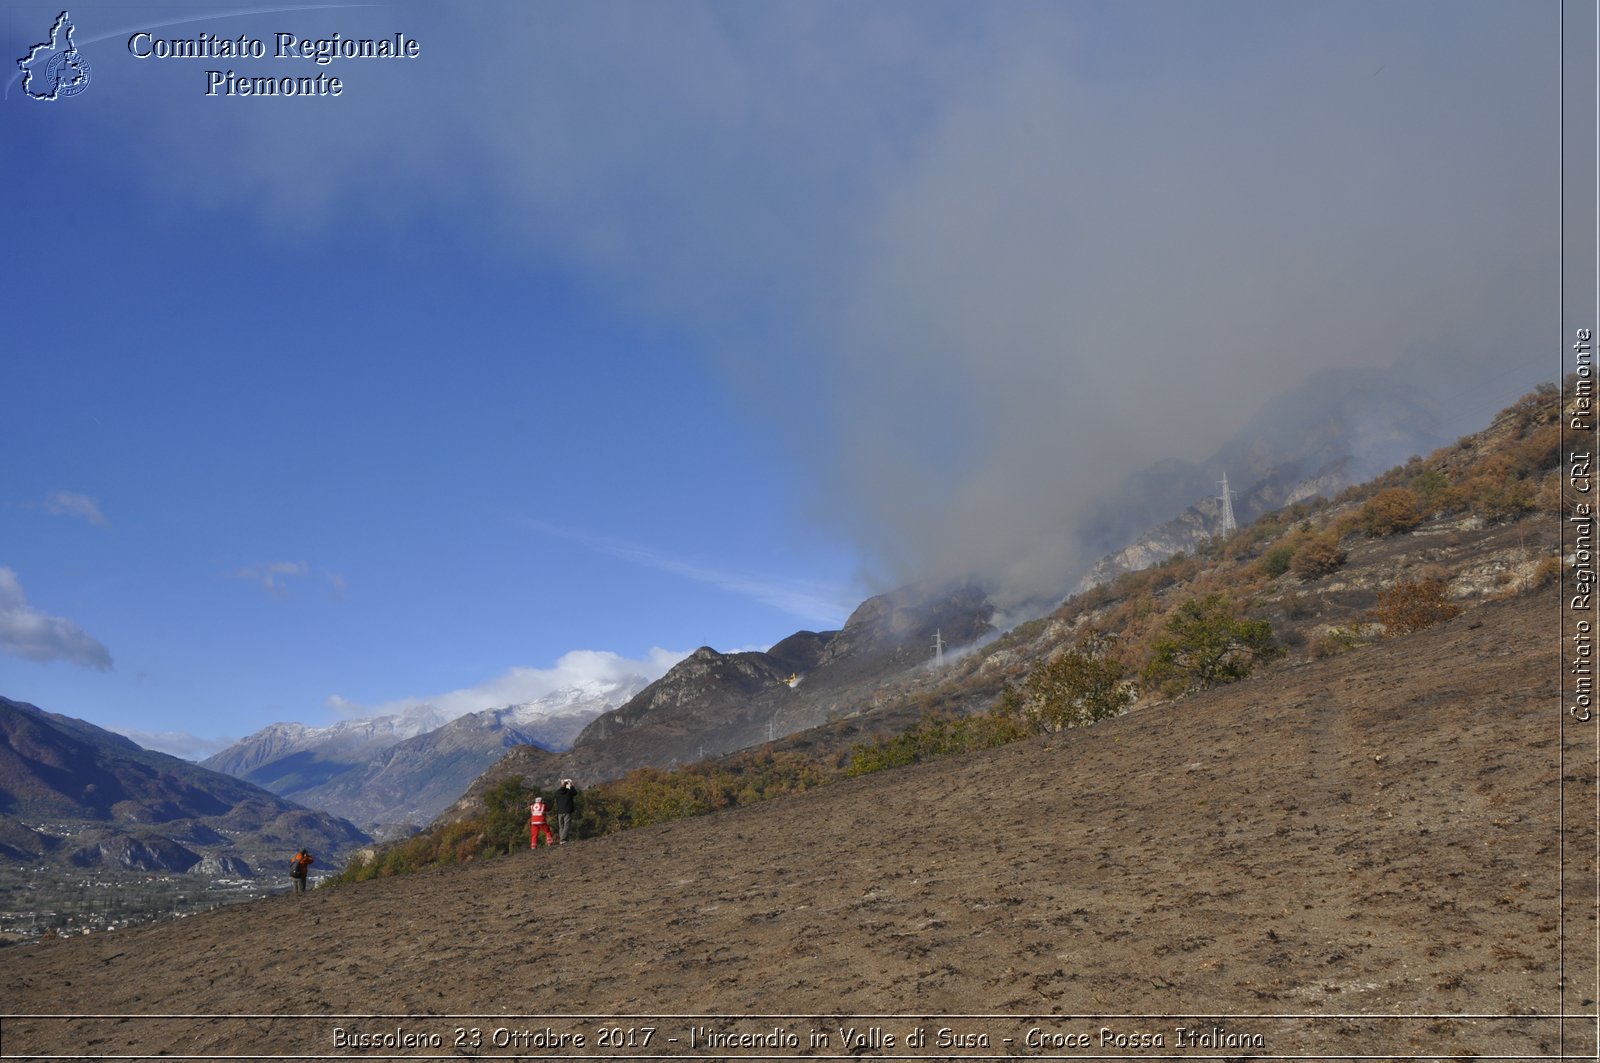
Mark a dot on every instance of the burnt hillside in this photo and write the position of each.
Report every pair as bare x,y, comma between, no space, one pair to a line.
1373,833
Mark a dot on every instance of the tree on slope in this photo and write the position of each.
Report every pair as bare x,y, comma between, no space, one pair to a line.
506,813
1207,644
1076,688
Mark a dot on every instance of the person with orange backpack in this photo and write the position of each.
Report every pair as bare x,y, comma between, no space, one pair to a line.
299,868
539,823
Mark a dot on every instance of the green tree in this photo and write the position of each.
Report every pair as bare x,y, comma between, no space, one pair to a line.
1077,687
505,819
1207,644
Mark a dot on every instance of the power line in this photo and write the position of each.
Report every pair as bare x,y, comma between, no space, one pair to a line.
1229,525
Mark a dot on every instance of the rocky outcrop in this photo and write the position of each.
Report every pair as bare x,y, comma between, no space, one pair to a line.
214,865
134,853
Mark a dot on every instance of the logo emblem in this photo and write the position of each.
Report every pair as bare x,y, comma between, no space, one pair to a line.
55,69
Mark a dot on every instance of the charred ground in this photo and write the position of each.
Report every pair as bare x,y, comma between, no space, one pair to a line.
1375,833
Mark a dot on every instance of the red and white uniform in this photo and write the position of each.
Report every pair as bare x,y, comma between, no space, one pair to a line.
538,823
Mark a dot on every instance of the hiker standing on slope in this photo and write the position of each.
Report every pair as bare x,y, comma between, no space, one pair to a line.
539,824
299,868
566,804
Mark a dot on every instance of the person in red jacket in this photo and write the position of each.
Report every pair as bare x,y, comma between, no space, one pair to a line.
539,823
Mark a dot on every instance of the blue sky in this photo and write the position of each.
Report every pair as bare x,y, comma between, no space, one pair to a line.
629,327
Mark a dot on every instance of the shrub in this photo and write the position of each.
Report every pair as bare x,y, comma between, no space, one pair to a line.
1275,562
1317,556
1411,605
1498,498
1206,645
940,736
879,755
1389,512
1432,488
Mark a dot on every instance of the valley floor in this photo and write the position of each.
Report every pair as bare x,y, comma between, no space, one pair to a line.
1360,856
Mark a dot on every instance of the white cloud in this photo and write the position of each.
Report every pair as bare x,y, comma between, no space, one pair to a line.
342,706
73,504
25,632
818,603
178,743
271,574
593,669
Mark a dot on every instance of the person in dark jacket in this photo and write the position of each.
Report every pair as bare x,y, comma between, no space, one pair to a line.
566,806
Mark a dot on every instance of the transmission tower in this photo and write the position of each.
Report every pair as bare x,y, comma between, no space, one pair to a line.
1229,525
938,649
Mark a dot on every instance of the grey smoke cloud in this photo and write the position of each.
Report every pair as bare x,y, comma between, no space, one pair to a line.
994,257
1081,274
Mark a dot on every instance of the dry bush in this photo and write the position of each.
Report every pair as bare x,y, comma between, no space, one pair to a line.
1498,496
1389,512
1317,556
1411,605
1538,450
1431,570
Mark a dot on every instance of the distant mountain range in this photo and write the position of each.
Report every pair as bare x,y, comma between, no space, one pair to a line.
74,794
288,758
392,772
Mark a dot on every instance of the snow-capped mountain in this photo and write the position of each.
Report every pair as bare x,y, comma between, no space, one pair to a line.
289,756
393,771
555,720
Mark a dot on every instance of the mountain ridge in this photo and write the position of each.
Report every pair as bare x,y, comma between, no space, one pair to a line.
75,793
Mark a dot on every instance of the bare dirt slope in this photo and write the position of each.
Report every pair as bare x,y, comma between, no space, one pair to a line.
1376,834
